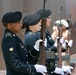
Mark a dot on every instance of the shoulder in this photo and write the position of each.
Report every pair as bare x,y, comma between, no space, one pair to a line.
30,38
31,35
8,37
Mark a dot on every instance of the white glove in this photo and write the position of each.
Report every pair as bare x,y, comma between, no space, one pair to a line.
56,42
57,39
59,71
70,43
37,44
67,69
45,43
64,45
40,68
62,40
66,41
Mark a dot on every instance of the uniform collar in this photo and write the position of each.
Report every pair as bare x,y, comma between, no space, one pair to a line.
7,30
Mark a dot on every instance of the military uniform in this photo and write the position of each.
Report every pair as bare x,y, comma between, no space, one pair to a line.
15,55
14,52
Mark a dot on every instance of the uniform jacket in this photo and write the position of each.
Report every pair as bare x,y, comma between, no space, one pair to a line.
15,55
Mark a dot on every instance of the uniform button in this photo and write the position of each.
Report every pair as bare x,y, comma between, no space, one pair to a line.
27,62
13,34
22,46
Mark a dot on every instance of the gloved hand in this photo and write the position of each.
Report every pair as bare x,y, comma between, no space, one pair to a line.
40,68
57,39
62,40
67,69
66,41
45,43
56,42
64,45
37,44
59,71
70,43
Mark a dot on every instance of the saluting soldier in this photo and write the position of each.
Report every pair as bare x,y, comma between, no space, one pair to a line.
32,23
14,52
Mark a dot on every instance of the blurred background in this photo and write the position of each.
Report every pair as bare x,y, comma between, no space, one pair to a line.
31,6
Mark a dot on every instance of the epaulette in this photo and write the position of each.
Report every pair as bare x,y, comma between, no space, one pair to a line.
31,33
8,35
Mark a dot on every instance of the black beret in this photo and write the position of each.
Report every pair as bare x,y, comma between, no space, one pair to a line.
12,17
31,19
46,13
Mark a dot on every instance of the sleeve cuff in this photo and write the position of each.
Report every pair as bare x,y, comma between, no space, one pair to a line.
34,53
32,70
53,48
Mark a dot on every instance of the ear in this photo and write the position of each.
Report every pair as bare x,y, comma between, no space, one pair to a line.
9,25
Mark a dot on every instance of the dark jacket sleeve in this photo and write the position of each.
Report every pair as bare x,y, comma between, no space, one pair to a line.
13,59
29,44
50,44
53,48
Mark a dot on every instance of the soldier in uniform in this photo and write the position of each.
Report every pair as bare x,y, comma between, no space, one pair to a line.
14,52
32,23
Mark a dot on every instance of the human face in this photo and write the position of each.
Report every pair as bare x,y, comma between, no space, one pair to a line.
15,27
48,21
63,27
36,27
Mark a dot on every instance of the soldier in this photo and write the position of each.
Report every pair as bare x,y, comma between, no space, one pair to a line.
14,52
33,25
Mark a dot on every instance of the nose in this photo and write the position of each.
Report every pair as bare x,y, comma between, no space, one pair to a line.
21,24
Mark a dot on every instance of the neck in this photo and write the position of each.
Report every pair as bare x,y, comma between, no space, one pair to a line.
32,28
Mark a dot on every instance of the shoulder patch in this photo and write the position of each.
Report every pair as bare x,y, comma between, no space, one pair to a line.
8,35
